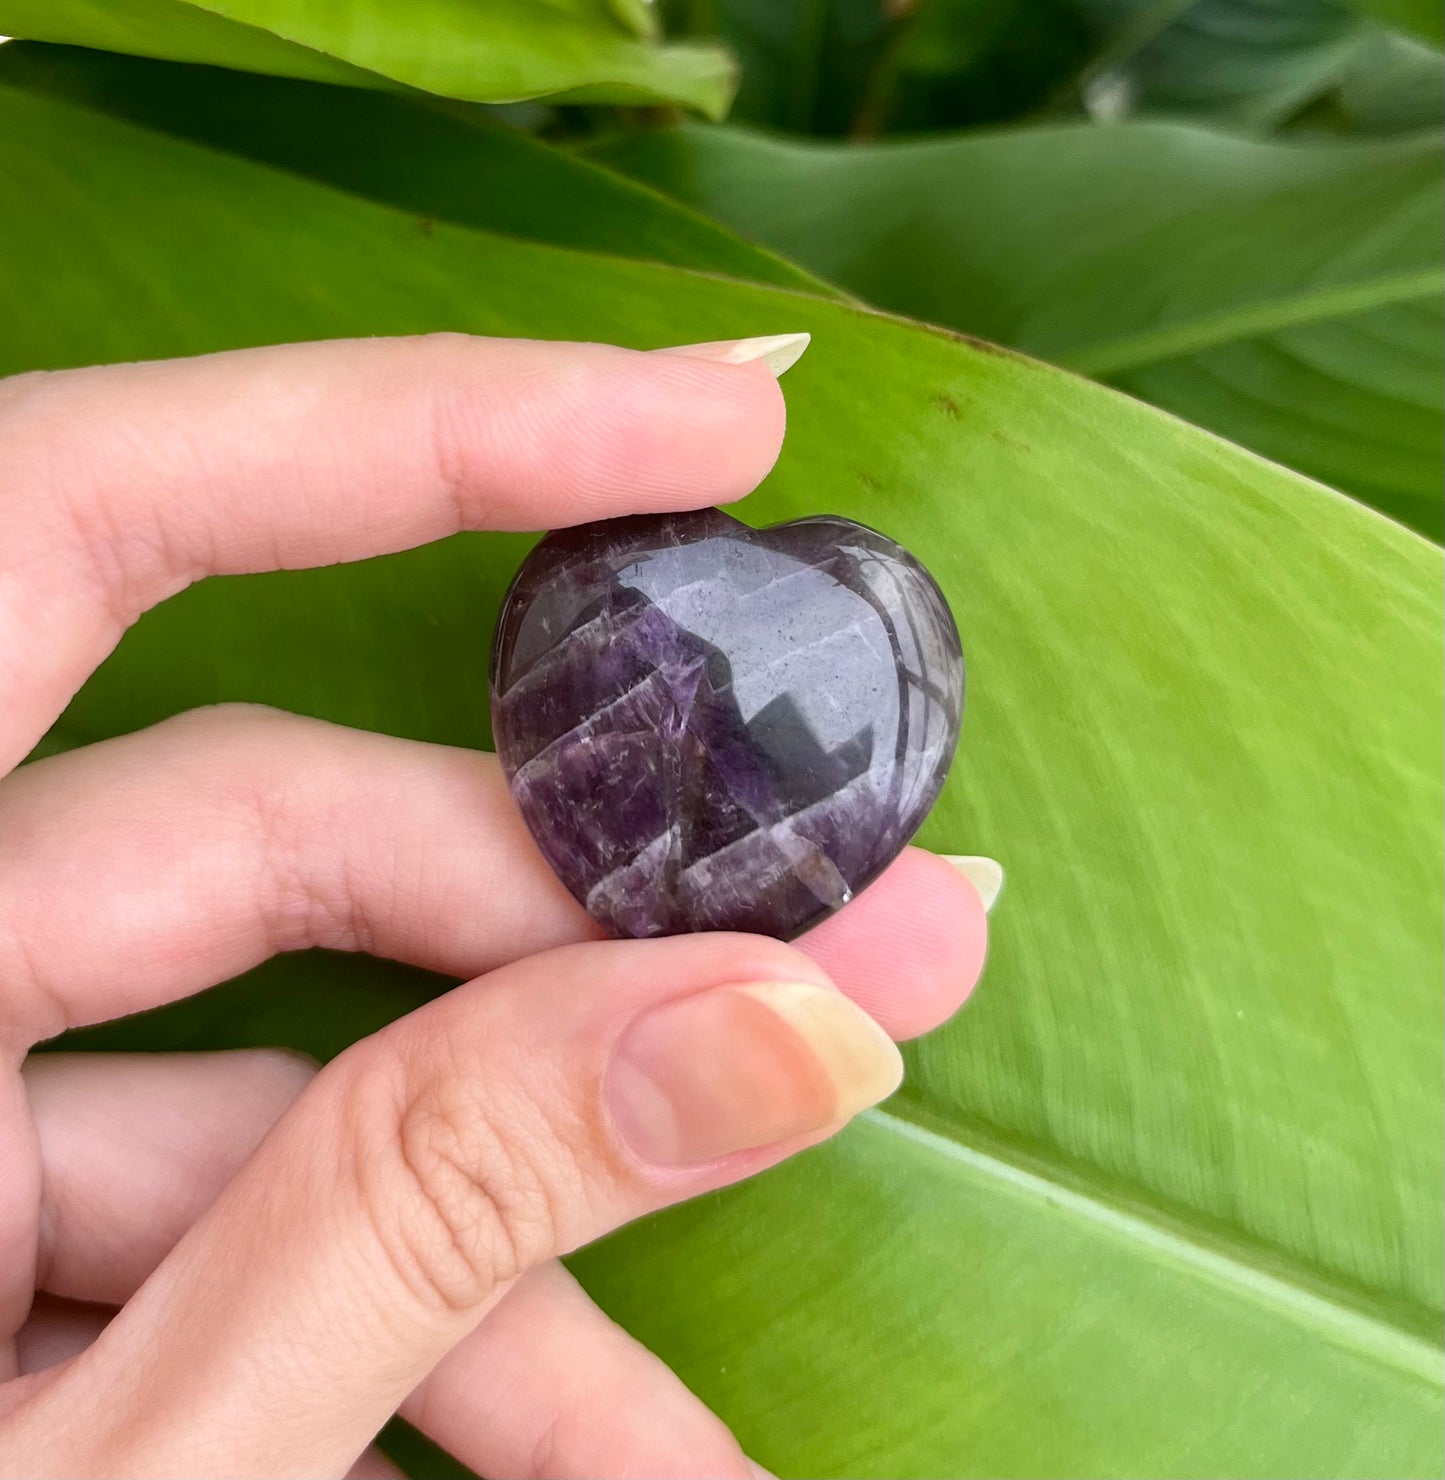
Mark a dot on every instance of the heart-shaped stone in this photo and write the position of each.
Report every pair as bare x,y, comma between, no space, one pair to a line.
710,727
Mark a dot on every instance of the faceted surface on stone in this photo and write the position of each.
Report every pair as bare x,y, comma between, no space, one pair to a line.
709,727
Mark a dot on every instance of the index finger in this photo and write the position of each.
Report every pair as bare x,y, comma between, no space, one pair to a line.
120,485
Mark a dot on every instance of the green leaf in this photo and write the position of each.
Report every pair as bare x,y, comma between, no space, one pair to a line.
576,50
1393,85
443,161
864,67
1248,61
1423,17
1166,1198
1286,295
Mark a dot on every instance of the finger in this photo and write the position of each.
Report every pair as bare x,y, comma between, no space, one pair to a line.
427,1168
153,865
61,1329
137,1146
910,948
312,453
549,1386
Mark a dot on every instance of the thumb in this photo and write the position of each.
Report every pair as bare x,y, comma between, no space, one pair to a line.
426,1169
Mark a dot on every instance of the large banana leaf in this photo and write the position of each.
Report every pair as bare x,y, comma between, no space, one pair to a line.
443,161
1286,295
1166,1198
497,52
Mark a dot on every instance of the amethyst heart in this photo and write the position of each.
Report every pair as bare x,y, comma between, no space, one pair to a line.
710,727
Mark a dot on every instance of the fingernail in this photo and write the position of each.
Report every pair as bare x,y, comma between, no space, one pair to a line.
985,874
779,352
745,1066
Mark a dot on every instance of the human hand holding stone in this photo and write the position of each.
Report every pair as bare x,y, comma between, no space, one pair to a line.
297,1255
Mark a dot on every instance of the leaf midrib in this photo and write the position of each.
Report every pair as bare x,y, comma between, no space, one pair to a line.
1265,317
1342,1325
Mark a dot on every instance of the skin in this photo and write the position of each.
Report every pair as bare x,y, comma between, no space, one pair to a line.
233,1264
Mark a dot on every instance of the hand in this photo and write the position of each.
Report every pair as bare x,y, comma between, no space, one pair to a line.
297,1255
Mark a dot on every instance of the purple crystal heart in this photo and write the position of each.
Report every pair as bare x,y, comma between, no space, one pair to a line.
710,727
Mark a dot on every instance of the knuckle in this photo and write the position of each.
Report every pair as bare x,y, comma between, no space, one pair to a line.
458,452
279,773
127,557
123,552
502,446
311,896
448,341
286,781
227,720
463,1184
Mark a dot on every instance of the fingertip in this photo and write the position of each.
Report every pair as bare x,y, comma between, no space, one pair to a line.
910,948
592,431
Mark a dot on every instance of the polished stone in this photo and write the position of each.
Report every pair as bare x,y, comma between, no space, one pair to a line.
710,727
